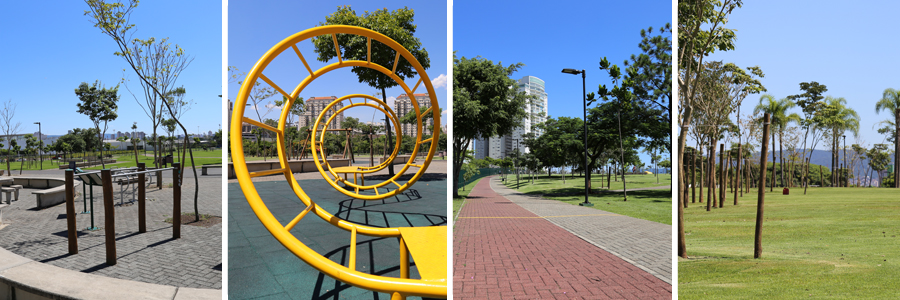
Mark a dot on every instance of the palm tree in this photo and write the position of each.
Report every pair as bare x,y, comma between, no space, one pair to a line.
839,118
890,101
779,119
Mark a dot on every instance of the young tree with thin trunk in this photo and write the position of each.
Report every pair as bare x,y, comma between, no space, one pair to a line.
9,128
156,63
100,105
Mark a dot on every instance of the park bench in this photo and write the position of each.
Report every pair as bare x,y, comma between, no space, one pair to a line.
53,189
8,191
205,167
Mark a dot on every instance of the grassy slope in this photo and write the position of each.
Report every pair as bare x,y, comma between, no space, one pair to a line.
463,193
652,205
830,243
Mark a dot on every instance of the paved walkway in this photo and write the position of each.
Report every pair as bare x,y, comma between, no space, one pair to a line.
514,246
194,260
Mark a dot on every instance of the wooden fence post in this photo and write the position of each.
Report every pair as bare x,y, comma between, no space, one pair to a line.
109,215
142,197
176,203
70,211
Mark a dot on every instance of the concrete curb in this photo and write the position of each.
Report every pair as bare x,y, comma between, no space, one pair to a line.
27,279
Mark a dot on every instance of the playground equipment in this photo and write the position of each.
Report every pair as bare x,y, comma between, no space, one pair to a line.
427,245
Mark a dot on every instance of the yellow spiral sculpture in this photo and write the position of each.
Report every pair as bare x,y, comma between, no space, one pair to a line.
427,245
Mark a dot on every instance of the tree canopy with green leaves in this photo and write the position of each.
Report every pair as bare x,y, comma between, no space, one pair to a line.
100,105
397,25
485,104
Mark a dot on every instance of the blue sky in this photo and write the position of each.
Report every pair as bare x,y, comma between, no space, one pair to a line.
848,46
48,50
256,26
550,36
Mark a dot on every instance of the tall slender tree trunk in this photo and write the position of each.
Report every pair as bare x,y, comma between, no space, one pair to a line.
757,247
701,169
772,187
738,172
710,164
897,149
721,174
693,176
781,158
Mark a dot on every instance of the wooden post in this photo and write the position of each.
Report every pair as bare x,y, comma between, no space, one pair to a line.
761,193
142,197
159,179
70,211
176,201
109,215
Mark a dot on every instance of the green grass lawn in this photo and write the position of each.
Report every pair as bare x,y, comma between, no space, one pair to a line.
463,193
575,184
207,153
652,205
123,161
833,243
48,165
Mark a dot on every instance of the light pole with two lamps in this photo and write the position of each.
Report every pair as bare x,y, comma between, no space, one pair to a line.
587,173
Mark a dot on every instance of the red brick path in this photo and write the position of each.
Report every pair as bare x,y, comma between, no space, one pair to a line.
503,251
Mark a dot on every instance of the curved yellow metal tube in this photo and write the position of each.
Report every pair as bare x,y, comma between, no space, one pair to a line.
426,287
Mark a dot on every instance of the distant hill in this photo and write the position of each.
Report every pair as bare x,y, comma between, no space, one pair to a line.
823,158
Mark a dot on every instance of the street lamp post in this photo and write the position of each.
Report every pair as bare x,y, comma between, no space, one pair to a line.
40,144
587,173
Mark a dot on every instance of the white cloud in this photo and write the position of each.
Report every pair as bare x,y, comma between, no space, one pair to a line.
391,100
440,81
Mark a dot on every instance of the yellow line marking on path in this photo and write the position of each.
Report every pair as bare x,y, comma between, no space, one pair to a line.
566,216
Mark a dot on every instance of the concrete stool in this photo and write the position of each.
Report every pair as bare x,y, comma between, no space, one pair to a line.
8,191
17,187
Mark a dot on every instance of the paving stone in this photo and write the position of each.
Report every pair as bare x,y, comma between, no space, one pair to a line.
502,249
152,257
645,244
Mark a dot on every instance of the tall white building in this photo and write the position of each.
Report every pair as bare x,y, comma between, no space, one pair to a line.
535,113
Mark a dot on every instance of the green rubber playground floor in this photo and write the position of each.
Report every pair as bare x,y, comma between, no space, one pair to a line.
259,267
